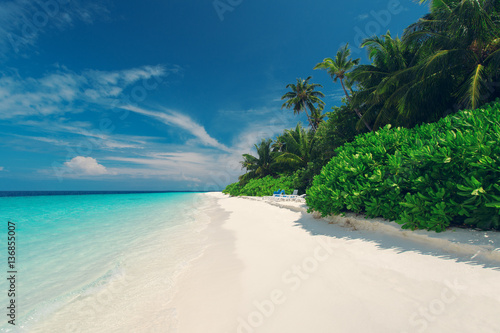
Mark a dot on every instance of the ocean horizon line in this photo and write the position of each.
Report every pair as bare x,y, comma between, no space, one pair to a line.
77,192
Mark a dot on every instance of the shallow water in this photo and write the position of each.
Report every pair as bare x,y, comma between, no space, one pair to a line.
99,262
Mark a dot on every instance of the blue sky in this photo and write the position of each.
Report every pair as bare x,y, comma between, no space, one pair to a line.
162,95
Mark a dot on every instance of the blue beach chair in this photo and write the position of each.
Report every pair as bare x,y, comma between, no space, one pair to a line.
279,194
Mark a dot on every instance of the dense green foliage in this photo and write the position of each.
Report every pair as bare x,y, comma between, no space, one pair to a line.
397,147
233,189
261,187
427,177
446,61
338,129
294,148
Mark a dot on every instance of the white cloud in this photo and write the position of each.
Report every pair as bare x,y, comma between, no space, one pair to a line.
206,169
263,111
171,161
160,174
57,93
170,118
150,157
337,95
200,166
51,141
86,166
175,166
1,168
80,134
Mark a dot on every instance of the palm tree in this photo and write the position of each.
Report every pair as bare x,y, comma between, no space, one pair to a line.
296,148
317,117
461,43
260,166
380,82
304,97
338,69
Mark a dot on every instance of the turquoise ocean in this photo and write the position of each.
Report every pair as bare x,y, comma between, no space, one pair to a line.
99,262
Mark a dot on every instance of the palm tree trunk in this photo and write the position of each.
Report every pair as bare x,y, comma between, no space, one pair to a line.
313,124
355,109
309,119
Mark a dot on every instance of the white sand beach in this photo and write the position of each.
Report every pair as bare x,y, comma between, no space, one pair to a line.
272,269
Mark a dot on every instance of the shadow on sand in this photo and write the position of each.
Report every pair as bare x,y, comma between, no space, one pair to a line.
406,241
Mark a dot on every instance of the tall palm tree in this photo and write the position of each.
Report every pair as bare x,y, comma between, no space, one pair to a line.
261,165
303,97
339,68
296,147
460,41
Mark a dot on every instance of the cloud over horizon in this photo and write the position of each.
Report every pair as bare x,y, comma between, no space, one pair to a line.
81,165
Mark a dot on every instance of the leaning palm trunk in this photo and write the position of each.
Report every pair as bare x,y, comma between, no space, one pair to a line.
355,109
309,119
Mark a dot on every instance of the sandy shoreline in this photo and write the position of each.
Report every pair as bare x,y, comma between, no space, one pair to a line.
270,269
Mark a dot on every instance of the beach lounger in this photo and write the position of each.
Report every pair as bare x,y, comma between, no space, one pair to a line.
301,198
280,195
292,196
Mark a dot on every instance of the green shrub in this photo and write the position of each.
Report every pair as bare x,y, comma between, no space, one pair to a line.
339,128
261,187
232,189
427,177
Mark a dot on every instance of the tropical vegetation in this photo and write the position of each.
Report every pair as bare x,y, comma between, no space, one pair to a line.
260,187
427,177
303,97
398,146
